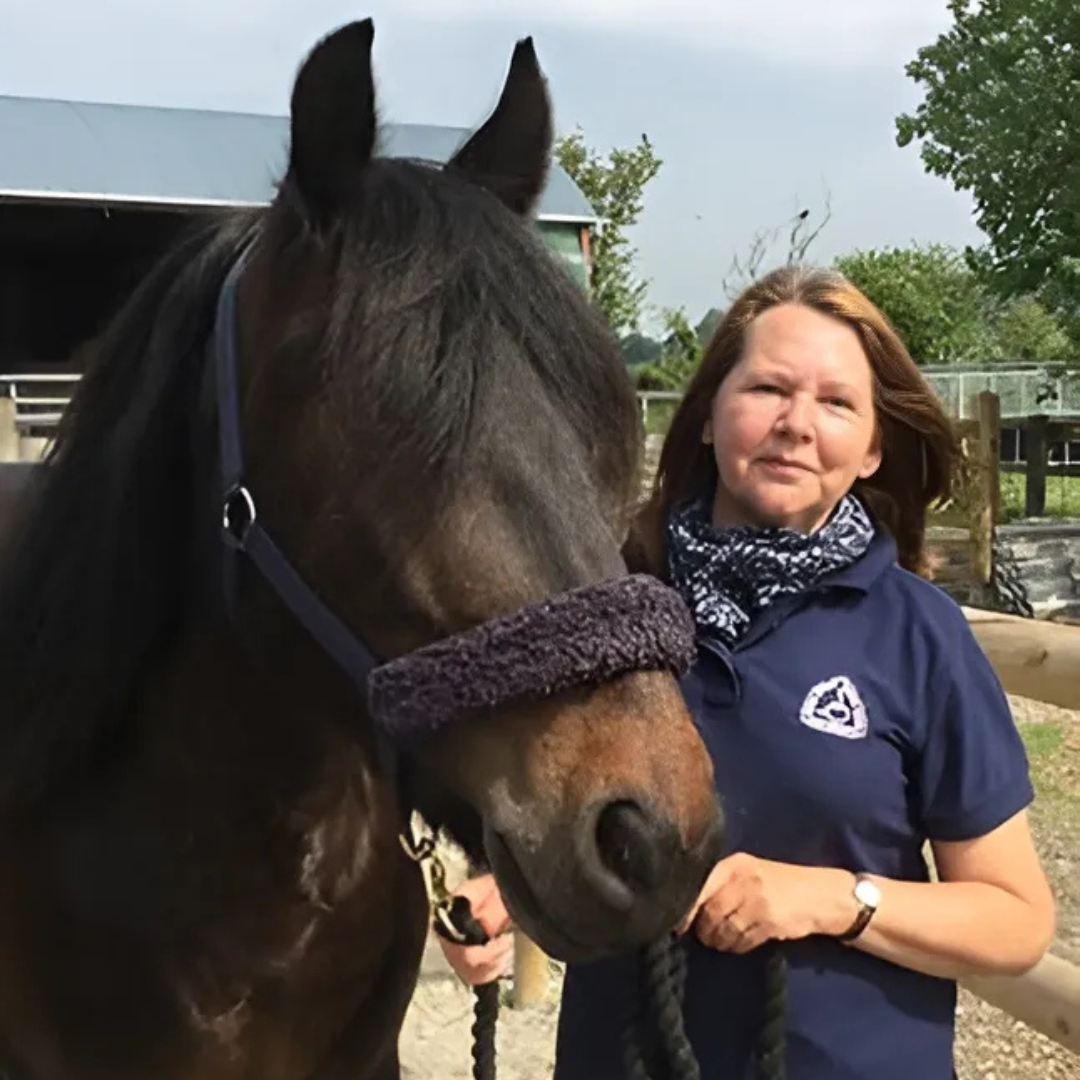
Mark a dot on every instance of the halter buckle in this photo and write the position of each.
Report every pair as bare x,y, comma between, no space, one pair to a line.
418,842
238,516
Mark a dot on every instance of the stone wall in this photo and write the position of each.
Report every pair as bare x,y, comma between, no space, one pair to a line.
1047,555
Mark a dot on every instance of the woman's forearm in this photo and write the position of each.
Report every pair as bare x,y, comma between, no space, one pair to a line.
948,929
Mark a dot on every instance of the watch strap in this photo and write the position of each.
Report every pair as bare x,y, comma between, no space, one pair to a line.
865,914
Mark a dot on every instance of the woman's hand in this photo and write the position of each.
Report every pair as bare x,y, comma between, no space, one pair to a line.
991,912
479,964
747,901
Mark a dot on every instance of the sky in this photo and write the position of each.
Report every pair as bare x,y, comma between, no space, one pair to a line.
758,108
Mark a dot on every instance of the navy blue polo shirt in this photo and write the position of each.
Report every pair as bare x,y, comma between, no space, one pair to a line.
849,726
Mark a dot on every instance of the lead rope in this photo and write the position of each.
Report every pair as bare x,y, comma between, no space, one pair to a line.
663,981
452,919
662,970
662,967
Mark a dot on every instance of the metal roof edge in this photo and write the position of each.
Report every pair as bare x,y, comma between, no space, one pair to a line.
147,202
117,191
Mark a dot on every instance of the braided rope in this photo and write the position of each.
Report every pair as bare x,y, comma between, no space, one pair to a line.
665,982
638,1024
659,1013
485,1016
772,1041
662,967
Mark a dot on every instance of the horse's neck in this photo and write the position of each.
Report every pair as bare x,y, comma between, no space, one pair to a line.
244,860
290,738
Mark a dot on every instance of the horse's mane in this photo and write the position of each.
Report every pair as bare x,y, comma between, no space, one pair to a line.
436,283
92,578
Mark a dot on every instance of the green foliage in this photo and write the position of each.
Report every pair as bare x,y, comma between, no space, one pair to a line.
932,297
709,322
945,313
1062,496
1026,330
680,355
639,349
999,119
1061,295
615,188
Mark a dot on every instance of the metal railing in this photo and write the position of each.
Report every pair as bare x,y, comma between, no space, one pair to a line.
1023,391
41,398
38,407
649,397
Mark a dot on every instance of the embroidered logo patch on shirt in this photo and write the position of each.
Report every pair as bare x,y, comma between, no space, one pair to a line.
834,706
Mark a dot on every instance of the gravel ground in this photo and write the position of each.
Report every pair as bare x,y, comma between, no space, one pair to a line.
436,1040
990,1044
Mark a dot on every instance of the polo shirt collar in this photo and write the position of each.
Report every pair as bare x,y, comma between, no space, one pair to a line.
861,575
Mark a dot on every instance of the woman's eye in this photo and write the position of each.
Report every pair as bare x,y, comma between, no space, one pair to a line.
839,403
765,388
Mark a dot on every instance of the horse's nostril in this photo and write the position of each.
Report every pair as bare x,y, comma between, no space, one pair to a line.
631,845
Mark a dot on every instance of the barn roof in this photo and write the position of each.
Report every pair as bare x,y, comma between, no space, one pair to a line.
148,156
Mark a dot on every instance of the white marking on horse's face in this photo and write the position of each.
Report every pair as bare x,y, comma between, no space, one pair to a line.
226,1028
311,866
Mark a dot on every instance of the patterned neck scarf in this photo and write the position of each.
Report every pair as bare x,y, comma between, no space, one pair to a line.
727,576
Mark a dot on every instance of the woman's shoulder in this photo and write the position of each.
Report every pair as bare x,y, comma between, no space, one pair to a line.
921,603
932,633
916,630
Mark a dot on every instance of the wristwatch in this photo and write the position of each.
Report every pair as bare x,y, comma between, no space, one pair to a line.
868,896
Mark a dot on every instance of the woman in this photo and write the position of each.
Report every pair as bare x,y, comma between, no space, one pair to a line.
849,711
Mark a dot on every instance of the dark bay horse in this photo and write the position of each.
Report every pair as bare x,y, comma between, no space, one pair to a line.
200,873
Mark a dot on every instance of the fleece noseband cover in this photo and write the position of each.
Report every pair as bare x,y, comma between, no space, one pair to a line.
585,636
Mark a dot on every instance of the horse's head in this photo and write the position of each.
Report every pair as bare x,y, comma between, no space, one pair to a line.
440,429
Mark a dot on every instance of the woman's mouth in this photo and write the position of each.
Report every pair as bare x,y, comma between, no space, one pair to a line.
783,467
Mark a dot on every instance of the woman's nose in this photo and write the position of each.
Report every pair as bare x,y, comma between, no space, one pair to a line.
796,418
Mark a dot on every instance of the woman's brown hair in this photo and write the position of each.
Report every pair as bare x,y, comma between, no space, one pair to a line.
918,443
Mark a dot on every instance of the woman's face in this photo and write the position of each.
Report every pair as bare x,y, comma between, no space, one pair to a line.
793,425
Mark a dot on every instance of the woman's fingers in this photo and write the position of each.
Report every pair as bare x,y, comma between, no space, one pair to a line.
480,964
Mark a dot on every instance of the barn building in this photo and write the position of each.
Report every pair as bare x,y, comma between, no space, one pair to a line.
91,195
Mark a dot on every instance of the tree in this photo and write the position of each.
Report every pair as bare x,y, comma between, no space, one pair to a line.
679,357
615,188
944,312
1002,94
709,322
933,298
1026,330
640,349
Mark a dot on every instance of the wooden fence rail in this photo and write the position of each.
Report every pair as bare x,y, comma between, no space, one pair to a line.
1047,998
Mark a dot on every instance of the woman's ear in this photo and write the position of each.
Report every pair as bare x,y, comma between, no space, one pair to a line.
872,460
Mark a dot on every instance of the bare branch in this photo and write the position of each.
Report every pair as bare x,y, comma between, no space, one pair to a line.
799,248
800,236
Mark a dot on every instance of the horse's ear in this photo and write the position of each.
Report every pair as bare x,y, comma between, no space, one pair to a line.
511,153
333,119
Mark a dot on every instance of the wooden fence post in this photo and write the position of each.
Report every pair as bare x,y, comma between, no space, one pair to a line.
531,975
9,433
1035,469
987,408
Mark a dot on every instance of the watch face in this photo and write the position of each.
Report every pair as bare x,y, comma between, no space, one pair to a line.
866,892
